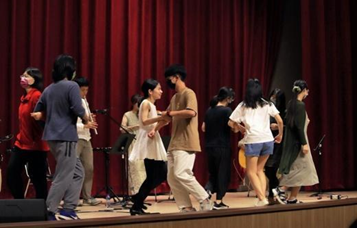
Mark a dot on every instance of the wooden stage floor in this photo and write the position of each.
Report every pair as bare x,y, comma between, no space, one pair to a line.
232,199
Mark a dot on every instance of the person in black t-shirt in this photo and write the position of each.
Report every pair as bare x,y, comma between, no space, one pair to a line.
277,96
218,145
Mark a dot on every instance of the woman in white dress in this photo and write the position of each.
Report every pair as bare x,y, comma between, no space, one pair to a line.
151,150
296,163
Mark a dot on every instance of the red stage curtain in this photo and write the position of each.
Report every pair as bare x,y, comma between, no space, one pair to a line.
327,28
118,44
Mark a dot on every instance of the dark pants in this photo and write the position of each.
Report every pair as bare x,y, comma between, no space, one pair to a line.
219,168
37,169
270,172
156,173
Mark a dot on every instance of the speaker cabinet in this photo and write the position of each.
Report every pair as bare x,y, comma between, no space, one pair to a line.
22,210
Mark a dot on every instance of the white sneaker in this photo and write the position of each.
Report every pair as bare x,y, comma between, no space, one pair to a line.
90,202
279,195
206,205
263,202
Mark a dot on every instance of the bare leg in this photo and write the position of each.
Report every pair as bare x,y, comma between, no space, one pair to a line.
260,172
294,192
252,171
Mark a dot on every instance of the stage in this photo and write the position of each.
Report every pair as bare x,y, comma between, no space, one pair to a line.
242,213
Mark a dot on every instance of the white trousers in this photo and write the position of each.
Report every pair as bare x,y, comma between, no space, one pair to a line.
181,179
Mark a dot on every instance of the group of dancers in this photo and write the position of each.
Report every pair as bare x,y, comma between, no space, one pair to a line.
59,120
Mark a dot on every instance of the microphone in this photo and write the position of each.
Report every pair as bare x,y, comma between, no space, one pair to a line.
100,111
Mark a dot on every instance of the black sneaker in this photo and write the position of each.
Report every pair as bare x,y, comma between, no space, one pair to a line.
294,201
219,206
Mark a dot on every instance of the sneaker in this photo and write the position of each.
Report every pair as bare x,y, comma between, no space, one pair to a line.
188,209
263,202
294,201
51,216
80,203
279,195
66,214
91,202
219,206
206,205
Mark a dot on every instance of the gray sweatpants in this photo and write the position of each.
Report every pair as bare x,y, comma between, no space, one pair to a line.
68,178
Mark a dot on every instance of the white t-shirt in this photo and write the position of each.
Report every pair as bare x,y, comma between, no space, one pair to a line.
83,133
256,122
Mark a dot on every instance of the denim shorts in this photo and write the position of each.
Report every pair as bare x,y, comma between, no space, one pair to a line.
259,149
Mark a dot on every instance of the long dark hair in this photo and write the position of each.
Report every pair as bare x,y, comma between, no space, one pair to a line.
223,93
298,87
37,75
253,94
280,101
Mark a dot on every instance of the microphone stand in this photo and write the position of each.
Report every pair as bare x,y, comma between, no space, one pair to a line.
318,148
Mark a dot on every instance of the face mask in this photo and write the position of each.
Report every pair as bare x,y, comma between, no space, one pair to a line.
273,100
24,82
170,84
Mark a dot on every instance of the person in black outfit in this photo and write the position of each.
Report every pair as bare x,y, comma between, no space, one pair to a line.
218,145
271,167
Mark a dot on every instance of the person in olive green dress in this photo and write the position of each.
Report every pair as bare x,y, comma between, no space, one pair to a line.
296,165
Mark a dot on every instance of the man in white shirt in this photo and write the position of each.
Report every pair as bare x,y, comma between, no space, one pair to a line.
84,146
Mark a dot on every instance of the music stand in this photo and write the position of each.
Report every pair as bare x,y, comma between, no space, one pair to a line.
318,148
121,146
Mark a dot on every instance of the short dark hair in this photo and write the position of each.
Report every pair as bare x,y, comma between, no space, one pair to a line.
82,81
64,66
175,69
37,75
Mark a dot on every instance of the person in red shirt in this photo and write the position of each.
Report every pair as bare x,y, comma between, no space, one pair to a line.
29,147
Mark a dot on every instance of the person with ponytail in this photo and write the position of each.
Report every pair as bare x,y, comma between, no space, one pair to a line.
29,147
296,165
255,112
149,146
218,145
